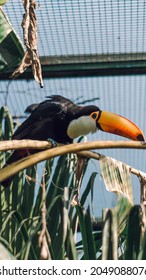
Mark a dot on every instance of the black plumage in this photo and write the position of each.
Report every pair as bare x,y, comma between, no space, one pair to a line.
50,119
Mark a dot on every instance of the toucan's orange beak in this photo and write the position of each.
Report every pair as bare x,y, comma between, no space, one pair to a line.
119,125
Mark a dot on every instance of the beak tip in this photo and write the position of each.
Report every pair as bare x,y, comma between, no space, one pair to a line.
140,138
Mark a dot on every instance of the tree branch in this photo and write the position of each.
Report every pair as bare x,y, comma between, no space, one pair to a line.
40,145
79,148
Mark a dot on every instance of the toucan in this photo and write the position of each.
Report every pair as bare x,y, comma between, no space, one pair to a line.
61,120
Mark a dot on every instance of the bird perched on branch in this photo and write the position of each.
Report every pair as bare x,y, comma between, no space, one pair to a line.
59,119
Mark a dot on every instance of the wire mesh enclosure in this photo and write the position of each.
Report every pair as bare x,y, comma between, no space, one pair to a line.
54,198
88,50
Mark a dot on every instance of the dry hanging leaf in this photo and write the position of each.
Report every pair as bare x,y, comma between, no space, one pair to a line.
29,25
23,66
116,177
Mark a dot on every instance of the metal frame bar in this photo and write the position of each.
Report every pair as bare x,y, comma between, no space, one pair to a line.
88,65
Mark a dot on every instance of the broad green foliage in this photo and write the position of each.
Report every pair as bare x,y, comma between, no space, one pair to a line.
11,49
2,2
40,215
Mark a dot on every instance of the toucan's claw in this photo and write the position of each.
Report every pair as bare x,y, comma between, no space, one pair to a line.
52,142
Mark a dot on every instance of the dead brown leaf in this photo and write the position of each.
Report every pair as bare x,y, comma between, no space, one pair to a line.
29,25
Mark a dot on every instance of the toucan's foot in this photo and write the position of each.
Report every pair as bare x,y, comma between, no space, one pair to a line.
52,142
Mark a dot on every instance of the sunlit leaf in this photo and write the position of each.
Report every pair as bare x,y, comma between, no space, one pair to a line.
117,179
110,236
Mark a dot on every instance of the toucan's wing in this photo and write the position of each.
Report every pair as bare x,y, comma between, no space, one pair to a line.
66,104
31,108
40,124
40,121
56,99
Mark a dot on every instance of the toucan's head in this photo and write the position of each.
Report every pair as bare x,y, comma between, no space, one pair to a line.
92,118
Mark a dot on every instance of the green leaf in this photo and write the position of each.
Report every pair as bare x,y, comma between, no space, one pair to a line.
88,188
134,233
2,2
29,191
11,48
90,238
8,125
82,226
24,233
110,236
71,251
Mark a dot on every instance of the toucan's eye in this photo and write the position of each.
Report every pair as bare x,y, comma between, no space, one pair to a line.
94,115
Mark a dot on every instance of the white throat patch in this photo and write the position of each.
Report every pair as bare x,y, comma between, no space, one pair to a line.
81,126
